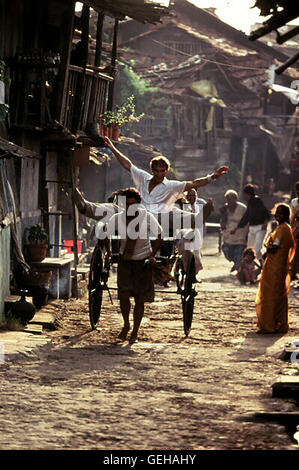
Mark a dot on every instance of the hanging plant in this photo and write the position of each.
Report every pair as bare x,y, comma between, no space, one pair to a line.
122,115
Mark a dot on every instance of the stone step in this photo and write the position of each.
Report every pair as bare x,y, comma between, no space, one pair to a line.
35,329
286,386
45,319
279,416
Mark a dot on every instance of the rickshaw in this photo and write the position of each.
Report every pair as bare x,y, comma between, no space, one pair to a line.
167,259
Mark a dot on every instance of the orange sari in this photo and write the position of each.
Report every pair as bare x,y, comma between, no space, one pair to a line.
274,287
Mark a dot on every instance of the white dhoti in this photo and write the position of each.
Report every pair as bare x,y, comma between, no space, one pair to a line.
256,236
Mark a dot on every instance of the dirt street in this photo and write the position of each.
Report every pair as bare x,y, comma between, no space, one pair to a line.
86,390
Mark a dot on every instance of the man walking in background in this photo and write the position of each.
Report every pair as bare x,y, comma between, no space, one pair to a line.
257,216
234,238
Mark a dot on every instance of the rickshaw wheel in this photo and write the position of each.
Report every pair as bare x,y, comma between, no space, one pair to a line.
95,305
188,295
95,290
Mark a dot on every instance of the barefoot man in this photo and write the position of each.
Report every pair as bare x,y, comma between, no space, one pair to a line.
136,257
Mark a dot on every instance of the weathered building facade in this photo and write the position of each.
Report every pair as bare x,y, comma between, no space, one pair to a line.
218,108
55,95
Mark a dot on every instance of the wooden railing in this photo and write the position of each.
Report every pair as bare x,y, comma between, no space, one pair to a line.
34,91
85,97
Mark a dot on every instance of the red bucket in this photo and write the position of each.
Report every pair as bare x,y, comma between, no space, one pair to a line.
69,245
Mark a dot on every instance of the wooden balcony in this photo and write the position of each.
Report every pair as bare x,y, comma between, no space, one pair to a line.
34,101
84,97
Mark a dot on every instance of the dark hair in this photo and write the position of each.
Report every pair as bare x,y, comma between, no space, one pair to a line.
131,192
285,209
113,195
160,160
249,251
249,189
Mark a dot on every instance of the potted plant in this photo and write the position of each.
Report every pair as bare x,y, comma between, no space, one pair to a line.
38,242
112,121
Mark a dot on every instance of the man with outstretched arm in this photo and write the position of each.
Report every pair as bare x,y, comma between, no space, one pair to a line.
157,192
160,194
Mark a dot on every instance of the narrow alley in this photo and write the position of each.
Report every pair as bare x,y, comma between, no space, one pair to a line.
86,390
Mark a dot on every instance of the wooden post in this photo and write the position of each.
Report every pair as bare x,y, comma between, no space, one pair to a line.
113,63
264,163
65,60
79,99
92,112
75,223
244,155
85,35
57,240
265,149
98,54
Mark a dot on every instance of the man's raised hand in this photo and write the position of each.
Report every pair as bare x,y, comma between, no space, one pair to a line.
108,142
221,171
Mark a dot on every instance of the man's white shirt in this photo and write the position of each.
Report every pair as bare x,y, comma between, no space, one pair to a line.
164,195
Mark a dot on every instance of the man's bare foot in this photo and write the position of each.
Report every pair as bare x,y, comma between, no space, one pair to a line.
123,334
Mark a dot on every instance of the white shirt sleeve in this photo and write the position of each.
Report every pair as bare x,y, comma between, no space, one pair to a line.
139,175
177,187
294,203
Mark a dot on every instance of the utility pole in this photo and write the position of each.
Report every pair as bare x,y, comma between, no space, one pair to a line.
244,155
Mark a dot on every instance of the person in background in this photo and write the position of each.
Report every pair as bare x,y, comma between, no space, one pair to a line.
230,215
295,227
249,269
269,187
258,216
274,287
185,245
197,203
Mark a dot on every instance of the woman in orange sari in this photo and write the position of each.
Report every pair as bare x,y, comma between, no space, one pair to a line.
274,287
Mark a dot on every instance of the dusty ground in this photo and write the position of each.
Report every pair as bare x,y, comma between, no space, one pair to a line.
86,390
